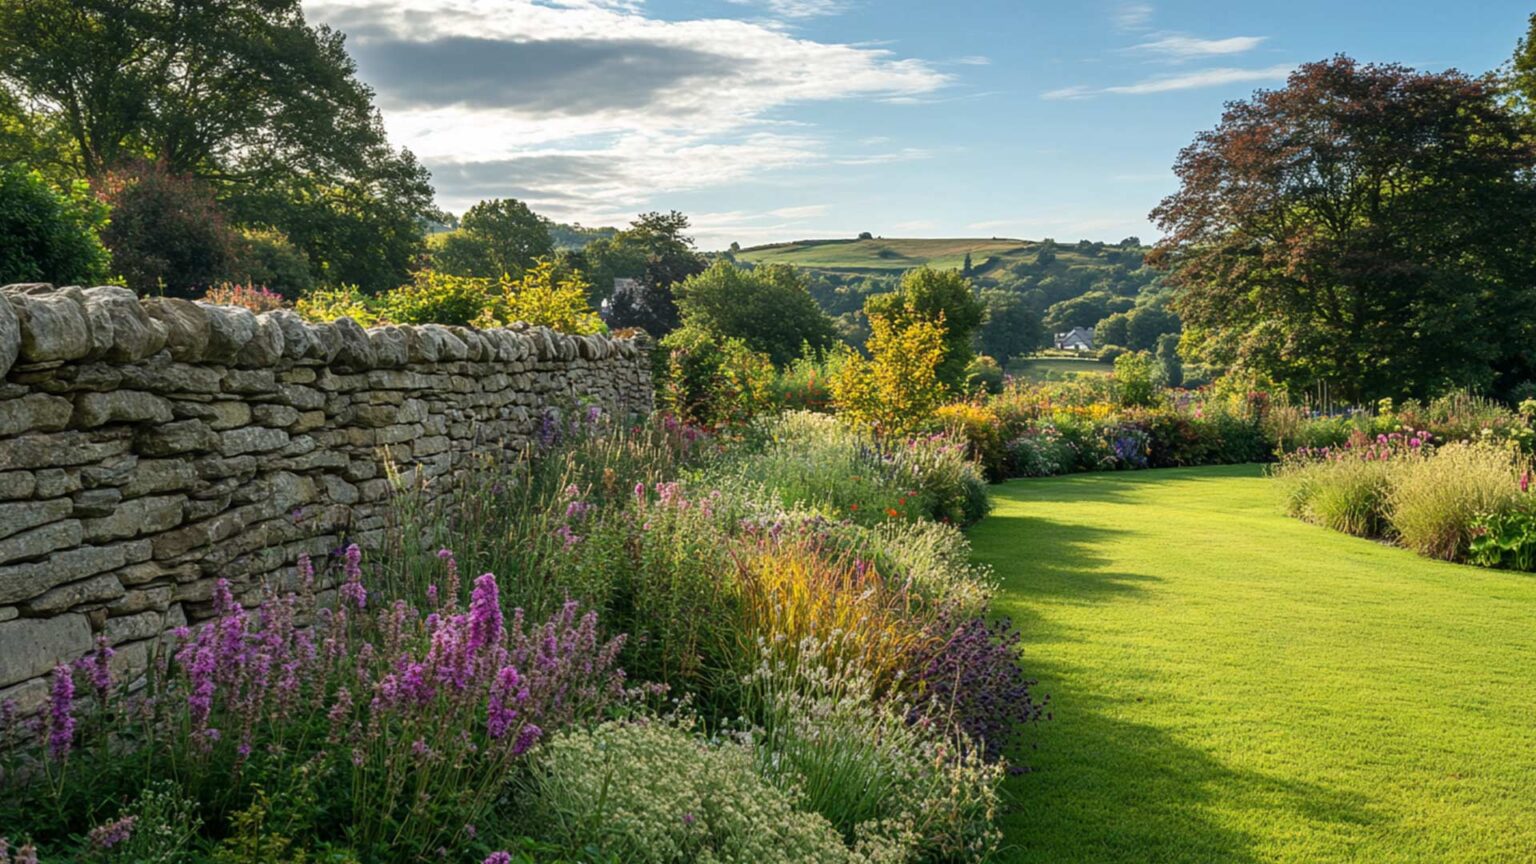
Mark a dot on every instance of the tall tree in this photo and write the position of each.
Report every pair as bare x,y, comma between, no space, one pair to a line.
942,297
496,238
656,254
767,308
1366,226
242,93
1010,326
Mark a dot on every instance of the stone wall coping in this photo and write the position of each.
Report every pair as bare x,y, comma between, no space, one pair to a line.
41,323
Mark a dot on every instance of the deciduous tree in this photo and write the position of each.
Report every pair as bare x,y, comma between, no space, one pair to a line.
1368,226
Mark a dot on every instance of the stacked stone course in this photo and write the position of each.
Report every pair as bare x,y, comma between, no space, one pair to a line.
149,447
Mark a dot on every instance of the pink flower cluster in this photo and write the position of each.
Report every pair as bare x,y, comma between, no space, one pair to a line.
1382,448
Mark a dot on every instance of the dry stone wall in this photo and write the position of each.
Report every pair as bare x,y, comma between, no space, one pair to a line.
149,447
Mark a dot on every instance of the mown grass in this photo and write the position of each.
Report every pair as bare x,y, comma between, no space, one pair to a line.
1231,685
1044,368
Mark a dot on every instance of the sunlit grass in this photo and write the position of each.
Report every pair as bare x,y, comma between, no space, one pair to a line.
1230,684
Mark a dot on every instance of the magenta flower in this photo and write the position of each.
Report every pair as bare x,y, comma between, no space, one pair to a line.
499,858
61,714
484,614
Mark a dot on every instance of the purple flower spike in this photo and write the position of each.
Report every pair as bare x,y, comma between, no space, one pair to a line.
61,714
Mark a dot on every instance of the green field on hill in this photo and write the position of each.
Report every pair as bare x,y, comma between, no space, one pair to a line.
895,255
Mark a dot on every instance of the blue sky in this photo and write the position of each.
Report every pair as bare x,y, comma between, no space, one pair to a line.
787,119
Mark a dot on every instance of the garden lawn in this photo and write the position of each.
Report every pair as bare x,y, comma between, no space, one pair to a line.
1233,685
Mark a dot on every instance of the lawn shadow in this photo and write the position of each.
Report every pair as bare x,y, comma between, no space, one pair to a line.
1103,788
1066,561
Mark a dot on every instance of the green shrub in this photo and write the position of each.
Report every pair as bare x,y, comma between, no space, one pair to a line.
1505,540
324,305
266,257
167,232
655,793
1346,494
1434,502
949,482
813,462
50,235
436,298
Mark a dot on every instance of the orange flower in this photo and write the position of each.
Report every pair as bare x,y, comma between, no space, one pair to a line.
853,506
891,512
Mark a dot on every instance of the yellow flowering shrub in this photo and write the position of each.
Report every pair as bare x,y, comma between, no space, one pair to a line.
897,389
542,297
324,305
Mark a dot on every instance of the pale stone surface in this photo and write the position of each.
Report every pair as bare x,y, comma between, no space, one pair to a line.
137,516
95,590
32,646
10,336
167,444
53,326
40,541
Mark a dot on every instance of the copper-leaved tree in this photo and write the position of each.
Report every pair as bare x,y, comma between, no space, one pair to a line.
1366,228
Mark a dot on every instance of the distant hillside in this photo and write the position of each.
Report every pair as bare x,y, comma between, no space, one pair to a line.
1058,285
884,255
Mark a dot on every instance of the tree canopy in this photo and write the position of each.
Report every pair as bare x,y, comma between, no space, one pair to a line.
1367,226
768,308
244,94
501,237
942,297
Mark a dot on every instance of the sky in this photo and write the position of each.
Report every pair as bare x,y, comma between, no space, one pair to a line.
776,120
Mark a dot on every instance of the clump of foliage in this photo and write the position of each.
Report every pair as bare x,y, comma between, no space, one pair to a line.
266,257
897,389
767,308
50,235
1434,503
496,238
167,233
542,295
944,300
655,792
715,383
1351,227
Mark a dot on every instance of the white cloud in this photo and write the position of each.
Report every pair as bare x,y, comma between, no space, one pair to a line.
798,8
1133,16
1181,47
1170,83
587,107
974,60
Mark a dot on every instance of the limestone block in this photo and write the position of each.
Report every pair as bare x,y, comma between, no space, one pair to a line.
96,590
30,647
52,326
137,516
187,330
119,406
35,412
40,541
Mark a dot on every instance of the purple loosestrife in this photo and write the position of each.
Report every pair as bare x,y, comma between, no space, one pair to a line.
98,667
352,590
61,713
104,837
499,858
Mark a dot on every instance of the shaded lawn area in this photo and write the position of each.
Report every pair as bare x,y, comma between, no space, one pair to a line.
1232,685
